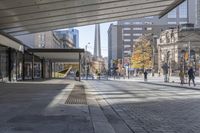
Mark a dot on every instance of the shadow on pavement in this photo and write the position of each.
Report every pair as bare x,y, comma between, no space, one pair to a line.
23,106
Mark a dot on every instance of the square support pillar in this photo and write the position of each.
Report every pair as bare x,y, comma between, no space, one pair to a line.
50,69
54,69
79,67
32,66
9,65
42,68
23,67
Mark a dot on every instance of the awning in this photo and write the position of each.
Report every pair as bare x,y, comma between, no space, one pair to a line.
20,17
58,55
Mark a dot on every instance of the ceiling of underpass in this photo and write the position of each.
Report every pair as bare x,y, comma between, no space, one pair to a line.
20,17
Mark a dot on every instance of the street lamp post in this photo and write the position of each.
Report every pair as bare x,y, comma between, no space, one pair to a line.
169,65
86,74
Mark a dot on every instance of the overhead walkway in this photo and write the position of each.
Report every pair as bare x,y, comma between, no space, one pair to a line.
20,17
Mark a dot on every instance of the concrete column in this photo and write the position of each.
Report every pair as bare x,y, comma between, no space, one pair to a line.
32,66
23,67
16,55
79,67
9,64
42,68
54,69
50,70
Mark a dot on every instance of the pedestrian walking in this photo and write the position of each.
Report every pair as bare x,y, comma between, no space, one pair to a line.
145,75
191,76
181,75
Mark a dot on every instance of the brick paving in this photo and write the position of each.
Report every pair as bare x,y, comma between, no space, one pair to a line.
148,108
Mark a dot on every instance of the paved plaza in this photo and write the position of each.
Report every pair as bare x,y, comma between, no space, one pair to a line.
151,108
57,106
39,107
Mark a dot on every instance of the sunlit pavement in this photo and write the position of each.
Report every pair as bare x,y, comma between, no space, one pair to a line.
51,106
149,108
112,107
39,107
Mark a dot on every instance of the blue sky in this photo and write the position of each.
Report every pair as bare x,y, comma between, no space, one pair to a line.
86,35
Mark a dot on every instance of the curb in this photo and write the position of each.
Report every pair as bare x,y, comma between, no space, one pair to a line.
99,120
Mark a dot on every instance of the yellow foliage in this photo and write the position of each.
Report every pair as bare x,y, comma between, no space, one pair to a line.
142,55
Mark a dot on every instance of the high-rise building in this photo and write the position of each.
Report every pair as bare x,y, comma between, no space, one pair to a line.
196,6
75,35
97,42
128,31
52,39
114,45
65,37
41,40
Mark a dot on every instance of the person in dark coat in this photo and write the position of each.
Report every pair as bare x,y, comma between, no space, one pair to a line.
145,75
191,76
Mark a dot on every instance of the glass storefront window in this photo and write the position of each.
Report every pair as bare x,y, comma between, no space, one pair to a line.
28,70
28,66
19,66
3,64
37,70
13,65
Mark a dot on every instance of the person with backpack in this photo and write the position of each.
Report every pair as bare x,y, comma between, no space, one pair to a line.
191,76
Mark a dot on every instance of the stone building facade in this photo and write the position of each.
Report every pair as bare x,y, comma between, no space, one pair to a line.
180,49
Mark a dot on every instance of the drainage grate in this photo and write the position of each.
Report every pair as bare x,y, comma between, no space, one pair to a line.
77,96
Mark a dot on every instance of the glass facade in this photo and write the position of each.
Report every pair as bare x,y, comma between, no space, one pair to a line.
13,64
28,66
37,68
183,10
10,64
3,64
19,65
16,65
172,14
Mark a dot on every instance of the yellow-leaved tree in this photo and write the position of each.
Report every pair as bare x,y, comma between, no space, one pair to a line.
142,54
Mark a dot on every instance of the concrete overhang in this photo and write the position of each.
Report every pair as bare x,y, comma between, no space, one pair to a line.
20,17
8,41
58,55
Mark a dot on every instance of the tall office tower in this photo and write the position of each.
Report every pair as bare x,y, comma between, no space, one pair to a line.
115,46
198,13
75,35
97,42
46,39
66,37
